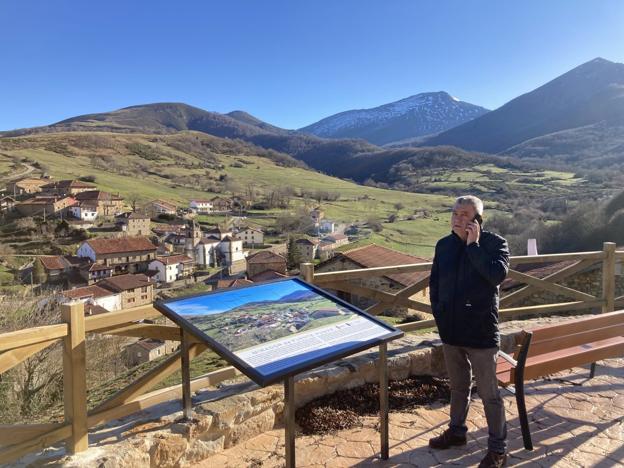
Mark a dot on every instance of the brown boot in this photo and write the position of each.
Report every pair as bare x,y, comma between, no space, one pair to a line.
446,439
493,460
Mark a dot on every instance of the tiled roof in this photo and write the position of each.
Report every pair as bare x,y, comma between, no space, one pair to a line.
97,195
267,275
265,256
68,184
230,283
120,245
307,241
374,255
53,262
125,282
94,309
174,259
93,291
538,271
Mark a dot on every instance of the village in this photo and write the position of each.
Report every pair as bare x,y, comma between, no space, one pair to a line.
128,256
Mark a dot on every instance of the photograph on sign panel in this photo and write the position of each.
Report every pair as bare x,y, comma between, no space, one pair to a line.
266,324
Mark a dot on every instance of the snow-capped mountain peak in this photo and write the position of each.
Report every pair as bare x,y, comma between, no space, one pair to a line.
414,116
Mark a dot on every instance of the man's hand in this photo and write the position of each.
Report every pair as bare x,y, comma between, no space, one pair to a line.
473,229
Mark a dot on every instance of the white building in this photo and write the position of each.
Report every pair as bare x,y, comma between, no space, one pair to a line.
207,251
251,236
84,211
232,250
94,295
201,206
171,268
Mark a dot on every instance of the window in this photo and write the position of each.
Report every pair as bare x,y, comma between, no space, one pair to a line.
144,289
130,300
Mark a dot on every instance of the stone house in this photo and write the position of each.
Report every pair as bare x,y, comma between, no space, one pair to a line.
221,205
133,224
25,186
265,260
135,290
94,272
157,207
172,268
337,239
232,283
267,275
107,204
67,188
44,206
370,256
125,254
148,349
307,248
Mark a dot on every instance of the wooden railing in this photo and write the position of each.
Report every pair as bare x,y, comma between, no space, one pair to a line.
15,347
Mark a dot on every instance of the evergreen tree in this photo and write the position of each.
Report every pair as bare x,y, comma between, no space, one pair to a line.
293,257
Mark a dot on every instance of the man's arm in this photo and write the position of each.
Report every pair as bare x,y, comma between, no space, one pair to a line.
493,263
433,282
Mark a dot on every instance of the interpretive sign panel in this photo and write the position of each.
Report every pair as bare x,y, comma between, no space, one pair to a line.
271,330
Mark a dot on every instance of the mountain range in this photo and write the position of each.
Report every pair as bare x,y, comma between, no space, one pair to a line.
575,119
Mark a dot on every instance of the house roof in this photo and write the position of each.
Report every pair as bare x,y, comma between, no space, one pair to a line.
218,229
120,245
94,309
7,198
68,184
373,255
174,259
31,181
95,291
98,267
53,262
265,256
125,282
305,240
209,240
164,228
231,239
149,344
164,203
97,195
231,283
267,275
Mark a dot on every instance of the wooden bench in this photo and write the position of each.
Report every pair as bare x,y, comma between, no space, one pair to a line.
555,348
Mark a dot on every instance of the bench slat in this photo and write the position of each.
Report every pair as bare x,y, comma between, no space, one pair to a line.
577,326
556,361
589,335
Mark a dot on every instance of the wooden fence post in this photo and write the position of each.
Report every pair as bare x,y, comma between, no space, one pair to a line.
307,271
75,376
608,277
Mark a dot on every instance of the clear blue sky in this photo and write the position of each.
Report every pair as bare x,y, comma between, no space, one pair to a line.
287,62
215,304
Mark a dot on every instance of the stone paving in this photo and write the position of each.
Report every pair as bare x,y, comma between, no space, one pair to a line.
575,422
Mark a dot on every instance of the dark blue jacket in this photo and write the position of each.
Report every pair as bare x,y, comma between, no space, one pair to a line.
464,289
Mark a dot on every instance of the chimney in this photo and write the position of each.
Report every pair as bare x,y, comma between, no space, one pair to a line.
532,247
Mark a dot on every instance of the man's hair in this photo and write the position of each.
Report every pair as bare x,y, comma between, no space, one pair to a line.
471,200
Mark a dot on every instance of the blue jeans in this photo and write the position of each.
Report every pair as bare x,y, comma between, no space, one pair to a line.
461,362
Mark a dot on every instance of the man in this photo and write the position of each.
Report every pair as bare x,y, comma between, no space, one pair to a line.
468,266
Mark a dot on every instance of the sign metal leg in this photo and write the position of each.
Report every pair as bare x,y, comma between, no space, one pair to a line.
187,404
383,400
289,420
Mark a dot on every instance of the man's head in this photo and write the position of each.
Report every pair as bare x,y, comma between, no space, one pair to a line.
465,210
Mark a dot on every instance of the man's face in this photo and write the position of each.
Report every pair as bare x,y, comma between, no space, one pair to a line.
462,215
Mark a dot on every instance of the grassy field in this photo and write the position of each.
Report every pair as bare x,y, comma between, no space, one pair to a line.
178,176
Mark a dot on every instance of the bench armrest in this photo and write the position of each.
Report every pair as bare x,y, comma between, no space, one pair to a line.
508,358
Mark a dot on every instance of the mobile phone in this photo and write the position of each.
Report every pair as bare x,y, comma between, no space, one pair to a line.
478,219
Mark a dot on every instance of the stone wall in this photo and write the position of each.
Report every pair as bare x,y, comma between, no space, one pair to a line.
240,410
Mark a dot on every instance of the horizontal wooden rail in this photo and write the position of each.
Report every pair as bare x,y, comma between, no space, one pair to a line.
549,308
11,434
36,443
553,258
370,272
97,322
145,330
31,336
